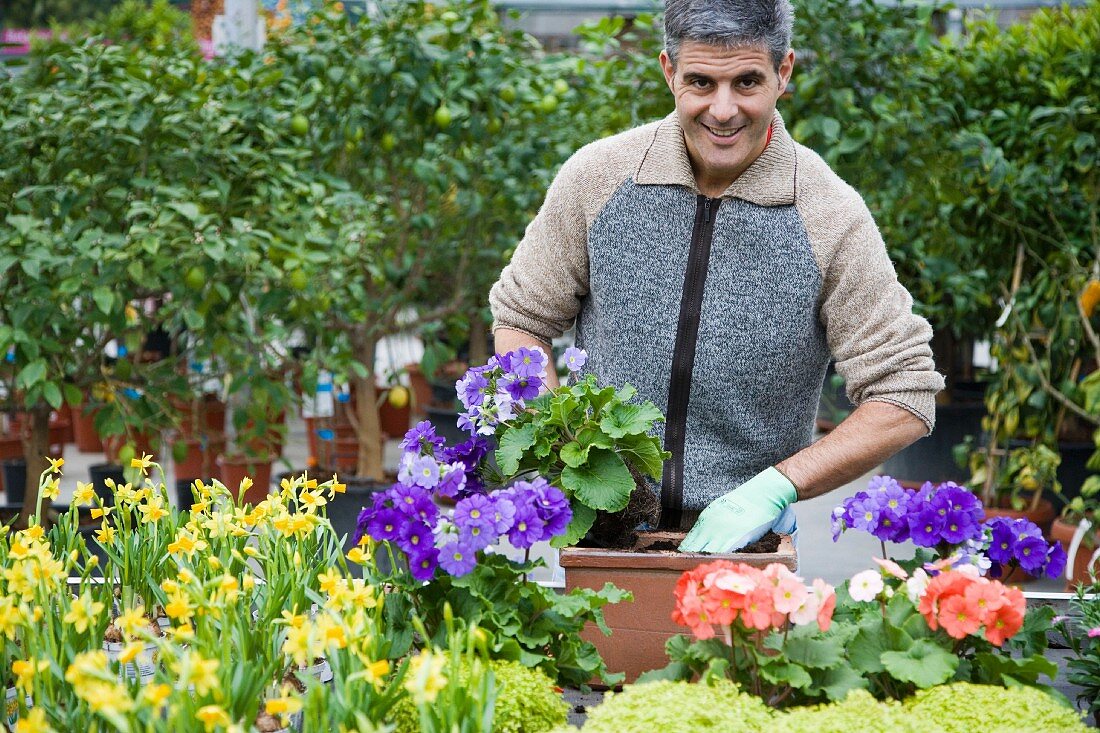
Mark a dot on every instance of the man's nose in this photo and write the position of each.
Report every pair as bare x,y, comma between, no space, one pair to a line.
723,107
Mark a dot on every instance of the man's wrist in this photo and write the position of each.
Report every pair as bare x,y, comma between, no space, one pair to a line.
797,491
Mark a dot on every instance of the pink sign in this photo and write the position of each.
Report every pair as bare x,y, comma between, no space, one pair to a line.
21,38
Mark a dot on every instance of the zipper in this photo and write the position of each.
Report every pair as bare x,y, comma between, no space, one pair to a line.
683,358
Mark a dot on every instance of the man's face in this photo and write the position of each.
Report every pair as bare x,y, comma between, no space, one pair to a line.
725,100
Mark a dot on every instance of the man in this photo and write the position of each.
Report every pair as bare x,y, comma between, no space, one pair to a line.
716,265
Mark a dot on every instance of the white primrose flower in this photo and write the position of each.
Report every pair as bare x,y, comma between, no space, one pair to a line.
865,586
917,584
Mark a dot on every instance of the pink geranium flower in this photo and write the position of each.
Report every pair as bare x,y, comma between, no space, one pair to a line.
1094,632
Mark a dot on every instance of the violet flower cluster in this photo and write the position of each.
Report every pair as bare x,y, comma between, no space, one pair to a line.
951,519
932,516
497,392
408,516
1021,542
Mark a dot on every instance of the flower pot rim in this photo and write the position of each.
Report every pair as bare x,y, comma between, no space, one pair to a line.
785,554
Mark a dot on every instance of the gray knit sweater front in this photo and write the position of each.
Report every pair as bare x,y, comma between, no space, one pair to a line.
796,273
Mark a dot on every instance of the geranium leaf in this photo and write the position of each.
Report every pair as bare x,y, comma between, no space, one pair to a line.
603,482
924,664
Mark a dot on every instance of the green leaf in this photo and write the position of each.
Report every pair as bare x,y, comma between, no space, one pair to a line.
104,299
644,453
31,374
512,445
52,393
604,482
628,419
73,395
809,647
866,649
574,454
836,683
583,517
924,664
786,673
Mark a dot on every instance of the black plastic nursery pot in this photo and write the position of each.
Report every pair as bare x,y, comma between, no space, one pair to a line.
99,473
15,480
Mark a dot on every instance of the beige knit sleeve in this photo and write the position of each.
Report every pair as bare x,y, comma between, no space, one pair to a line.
540,290
881,347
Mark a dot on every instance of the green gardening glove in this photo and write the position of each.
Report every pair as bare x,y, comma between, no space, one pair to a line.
744,515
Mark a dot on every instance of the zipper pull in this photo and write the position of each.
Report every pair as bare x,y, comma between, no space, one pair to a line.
706,211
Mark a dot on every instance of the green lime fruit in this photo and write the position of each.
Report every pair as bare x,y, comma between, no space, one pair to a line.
561,87
388,141
299,280
299,125
442,117
494,126
508,94
126,454
449,17
179,451
195,278
398,397
549,103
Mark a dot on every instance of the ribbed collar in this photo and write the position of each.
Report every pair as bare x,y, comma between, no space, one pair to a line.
769,181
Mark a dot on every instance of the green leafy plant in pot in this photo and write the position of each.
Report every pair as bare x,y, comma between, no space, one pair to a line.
593,442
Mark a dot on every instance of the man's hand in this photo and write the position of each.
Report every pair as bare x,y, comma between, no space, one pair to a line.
744,515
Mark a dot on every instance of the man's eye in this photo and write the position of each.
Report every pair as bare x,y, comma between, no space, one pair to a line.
700,83
747,83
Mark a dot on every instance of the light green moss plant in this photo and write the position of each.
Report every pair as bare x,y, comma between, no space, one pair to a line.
527,702
964,708
679,707
860,711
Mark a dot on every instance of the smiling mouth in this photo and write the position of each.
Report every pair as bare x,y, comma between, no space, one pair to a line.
723,133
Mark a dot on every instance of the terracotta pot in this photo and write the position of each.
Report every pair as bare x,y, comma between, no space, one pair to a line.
11,446
640,629
394,421
1042,516
1063,533
199,461
144,444
207,416
87,439
420,387
233,469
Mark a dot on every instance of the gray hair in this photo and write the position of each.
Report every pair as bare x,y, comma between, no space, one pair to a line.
729,24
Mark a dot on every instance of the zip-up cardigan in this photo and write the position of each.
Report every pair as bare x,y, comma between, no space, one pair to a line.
724,312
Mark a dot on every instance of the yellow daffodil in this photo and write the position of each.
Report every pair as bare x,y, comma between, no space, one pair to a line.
143,463
376,672
55,464
356,555
105,534
83,612
185,544
155,695
132,621
285,705
298,644
332,633
35,532
178,608
101,511
329,580
35,722
246,484
337,487
9,617
425,677
24,671
194,670
213,717
84,494
184,633
311,501
130,652
153,511
185,576
51,489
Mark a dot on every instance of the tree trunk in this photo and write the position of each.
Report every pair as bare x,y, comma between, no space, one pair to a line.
479,339
368,430
36,442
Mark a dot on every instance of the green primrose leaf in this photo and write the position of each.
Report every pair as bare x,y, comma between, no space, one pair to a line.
924,664
604,482
583,517
837,682
512,446
628,419
574,454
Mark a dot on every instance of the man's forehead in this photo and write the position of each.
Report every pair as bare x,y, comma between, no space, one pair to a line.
702,58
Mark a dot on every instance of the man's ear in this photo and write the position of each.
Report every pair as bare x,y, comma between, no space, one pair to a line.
786,68
669,69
